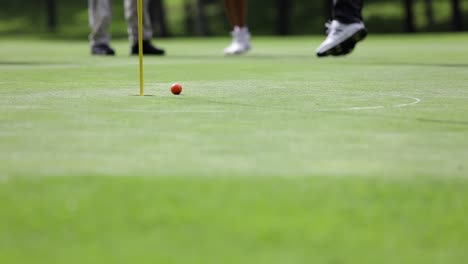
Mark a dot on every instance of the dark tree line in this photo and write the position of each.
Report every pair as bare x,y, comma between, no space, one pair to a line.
196,18
457,21
158,18
51,6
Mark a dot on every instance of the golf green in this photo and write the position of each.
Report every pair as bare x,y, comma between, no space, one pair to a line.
272,157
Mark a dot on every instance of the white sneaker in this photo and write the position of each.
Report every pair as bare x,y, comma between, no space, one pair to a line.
240,41
341,38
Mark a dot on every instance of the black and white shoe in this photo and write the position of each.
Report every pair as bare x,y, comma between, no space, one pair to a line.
148,49
341,38
102,50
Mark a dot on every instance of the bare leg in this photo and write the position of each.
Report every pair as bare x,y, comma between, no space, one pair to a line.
242,9
228,8
236,11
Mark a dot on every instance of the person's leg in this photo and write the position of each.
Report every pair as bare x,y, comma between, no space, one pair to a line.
345,30
131,15
100,16
242,9
236,11
229,12
348,11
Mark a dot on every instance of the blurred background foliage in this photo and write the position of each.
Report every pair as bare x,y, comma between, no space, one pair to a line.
69,18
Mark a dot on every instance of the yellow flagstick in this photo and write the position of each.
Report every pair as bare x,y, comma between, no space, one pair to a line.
140,44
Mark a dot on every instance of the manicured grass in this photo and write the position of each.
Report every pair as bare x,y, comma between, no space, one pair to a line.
277,111
233,220
273,157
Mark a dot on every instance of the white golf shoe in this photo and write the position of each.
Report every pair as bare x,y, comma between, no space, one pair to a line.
341,38
240,42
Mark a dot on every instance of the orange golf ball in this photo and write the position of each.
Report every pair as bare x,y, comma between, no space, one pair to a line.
176,88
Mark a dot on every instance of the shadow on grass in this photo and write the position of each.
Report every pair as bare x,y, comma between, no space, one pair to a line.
336,112
448,122
30,63
242,56
445,65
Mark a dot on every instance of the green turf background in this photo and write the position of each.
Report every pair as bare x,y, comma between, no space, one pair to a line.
265,158
233,220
